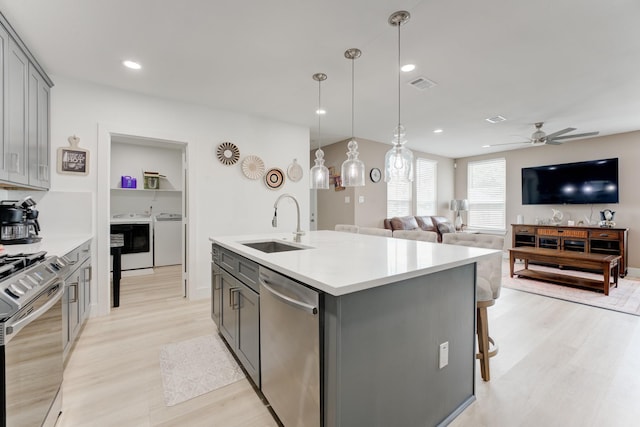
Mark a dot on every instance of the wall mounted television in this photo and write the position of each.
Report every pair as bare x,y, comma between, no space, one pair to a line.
590,182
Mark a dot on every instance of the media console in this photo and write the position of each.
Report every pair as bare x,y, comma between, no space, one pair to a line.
595,240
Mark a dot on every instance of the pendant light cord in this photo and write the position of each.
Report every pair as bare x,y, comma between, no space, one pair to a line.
319,112
353,135
398,137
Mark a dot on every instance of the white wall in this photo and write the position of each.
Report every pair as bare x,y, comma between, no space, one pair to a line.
129,159
221,201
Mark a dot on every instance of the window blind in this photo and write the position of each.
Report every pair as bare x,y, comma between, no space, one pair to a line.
398,199
426,173
486,192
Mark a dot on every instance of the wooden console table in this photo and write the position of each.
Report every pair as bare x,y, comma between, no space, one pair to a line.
607,264
579,239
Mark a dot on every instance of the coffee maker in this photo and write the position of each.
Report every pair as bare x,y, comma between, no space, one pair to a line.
19,222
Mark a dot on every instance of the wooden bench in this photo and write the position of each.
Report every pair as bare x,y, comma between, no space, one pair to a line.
608,264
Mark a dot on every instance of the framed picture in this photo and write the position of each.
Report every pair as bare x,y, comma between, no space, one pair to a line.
73,160
332,175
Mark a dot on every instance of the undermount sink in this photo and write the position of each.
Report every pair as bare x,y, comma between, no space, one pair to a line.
271,246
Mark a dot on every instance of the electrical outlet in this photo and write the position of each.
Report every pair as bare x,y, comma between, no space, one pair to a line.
444,354
360,199
347,199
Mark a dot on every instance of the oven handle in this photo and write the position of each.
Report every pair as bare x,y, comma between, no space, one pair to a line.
14,328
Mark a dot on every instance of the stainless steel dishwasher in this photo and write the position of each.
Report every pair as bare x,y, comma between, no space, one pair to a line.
290,349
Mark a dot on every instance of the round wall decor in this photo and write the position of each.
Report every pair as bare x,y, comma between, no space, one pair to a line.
228,153
252,167
274,178
294,171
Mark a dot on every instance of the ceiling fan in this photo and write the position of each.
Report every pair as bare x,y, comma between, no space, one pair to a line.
539,137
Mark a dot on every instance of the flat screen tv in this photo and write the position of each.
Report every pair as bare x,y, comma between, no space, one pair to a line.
594,181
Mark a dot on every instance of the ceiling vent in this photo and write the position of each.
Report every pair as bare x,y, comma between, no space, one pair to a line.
422,83
496,119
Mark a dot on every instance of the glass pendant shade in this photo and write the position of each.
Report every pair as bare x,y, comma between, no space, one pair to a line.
319,173
398,162
353,168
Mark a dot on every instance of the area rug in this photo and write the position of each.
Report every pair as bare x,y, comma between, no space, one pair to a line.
197,366
625,298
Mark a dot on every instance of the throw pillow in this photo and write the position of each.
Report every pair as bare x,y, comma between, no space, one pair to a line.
446,227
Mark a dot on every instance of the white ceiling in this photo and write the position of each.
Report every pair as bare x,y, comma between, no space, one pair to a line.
569,63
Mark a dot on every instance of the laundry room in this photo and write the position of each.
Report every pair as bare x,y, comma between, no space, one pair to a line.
146,202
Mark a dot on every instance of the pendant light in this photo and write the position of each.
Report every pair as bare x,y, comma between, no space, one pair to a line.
353,168
319,175
398,162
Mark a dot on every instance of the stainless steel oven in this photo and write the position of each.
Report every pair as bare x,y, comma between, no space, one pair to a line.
31,340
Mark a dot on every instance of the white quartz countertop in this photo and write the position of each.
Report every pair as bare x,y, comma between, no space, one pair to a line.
341,263
52,244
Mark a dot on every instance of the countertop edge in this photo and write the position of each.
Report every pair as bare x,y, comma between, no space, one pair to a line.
232,243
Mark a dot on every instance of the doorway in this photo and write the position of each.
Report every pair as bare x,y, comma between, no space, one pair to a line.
129,154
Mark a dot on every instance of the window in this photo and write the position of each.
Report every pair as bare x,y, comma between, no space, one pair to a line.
486,192
398,199
400,195
426,186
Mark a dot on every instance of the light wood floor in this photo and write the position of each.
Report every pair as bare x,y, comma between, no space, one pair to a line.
113,375
560,364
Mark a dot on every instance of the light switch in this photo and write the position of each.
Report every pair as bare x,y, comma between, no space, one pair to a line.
347,199
444,354
360,199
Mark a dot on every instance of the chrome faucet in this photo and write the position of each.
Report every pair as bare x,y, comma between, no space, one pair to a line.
274,221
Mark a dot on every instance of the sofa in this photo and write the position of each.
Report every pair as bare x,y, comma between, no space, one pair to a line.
437,224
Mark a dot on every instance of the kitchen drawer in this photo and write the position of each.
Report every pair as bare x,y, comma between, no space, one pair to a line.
605,234
240,267
79,254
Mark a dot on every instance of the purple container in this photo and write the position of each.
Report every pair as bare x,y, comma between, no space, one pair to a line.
128,182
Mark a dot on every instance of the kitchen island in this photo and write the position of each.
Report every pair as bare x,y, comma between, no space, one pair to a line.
395,326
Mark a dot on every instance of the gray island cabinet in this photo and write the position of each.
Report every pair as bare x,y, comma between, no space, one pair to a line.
384,309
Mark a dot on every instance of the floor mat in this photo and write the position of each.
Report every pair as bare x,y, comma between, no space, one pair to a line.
197,366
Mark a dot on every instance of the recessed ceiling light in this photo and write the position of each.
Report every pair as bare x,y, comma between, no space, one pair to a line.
495,119
408,67
131,64
319,112
437,131
486,146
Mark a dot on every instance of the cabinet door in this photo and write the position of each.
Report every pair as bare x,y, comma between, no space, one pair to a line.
38,130
216,293
248,340
4,134
16,155
73,284
84,290
228,304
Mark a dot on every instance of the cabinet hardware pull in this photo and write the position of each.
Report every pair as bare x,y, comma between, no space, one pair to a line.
75,293
231,292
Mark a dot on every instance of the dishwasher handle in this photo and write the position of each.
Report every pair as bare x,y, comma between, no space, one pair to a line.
298,304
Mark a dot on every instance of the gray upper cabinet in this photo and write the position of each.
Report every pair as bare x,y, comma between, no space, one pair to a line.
38,130
16,155
25,149
4,65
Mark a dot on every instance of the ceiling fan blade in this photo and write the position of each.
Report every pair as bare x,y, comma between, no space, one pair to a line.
553,142
560,132
578,135
510,143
